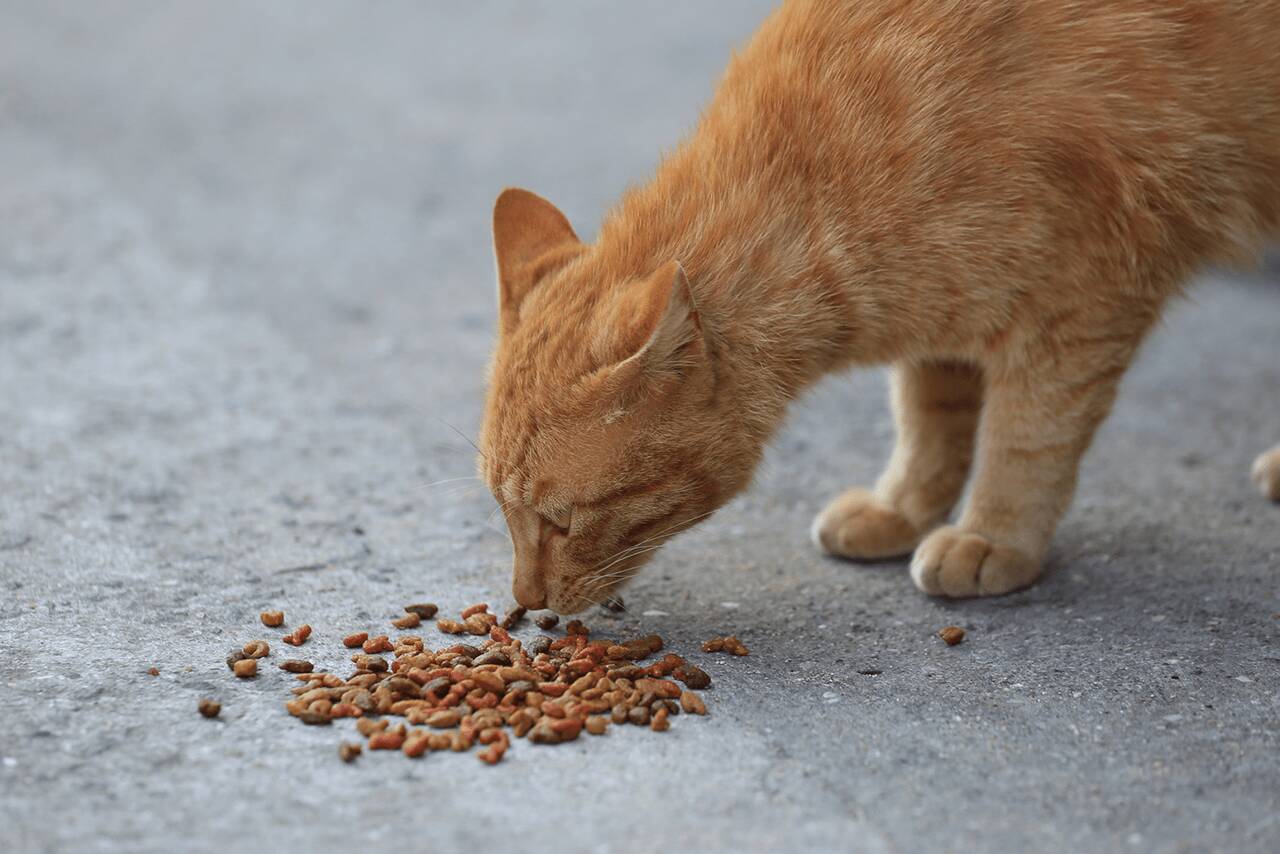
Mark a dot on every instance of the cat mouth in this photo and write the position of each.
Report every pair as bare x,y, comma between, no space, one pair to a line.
596,590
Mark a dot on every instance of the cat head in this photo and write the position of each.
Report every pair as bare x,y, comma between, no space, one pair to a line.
603,434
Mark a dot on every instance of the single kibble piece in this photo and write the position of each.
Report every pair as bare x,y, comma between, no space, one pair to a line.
246,668
408,621
154,671
615,604
257,649
299,635
450,627
729,644
426,610
547,622
381,643
368,727
692,675
951,634
294,665
597,724
352,641
349,750
271,619
660,722
692,703
386,740
513,617
209,708
575,627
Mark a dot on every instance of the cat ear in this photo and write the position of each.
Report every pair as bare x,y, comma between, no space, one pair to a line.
658,325
531,238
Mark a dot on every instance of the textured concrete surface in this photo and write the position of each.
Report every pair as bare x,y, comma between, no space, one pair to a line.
245,282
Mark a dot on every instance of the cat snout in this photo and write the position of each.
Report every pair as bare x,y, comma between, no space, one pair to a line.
529,590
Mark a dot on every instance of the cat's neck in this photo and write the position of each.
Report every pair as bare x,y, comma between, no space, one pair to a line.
771,287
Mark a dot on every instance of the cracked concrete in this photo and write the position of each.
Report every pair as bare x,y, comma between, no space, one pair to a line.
245,299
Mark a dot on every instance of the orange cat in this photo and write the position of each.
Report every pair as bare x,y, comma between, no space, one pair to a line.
996,197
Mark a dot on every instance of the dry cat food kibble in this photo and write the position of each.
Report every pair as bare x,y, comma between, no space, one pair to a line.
729,644
426,610
951,634
547,622
485,692
153,671
299,635
246,668
209,708
513,617
408,621
257,649
271,619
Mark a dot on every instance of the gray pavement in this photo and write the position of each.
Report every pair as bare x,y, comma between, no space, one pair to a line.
245,282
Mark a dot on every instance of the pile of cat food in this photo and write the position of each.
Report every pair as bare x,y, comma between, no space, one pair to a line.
483,693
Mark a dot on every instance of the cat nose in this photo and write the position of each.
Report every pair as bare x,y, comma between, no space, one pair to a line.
529,590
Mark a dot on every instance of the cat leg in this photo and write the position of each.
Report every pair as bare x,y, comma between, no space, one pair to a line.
936,407
1266,473
1038,419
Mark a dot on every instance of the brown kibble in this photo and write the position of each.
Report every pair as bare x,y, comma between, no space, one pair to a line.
246,668
692,675
381,643
444,719
271,619
416,744
576,627
729,644
408,621
153,671
597,724
692,703
299,635
209,708
546,622
386,740
425,611
951,634
477,625
660,722
493,753
348,751
295,665
513,617
472,610
615,604
354,640
233,657
257,649
368,727
450,627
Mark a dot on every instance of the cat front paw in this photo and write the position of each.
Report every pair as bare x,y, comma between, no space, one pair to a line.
862,526
960,564
1266,473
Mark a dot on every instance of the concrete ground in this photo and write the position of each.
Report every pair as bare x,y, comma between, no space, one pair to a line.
245,284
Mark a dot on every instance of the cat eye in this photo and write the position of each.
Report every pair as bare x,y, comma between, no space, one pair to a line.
561,520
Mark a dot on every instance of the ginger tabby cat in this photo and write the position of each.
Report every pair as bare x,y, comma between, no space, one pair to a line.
998,198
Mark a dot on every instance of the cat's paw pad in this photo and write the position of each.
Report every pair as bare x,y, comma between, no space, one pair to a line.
959,564
1266,474
860,525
